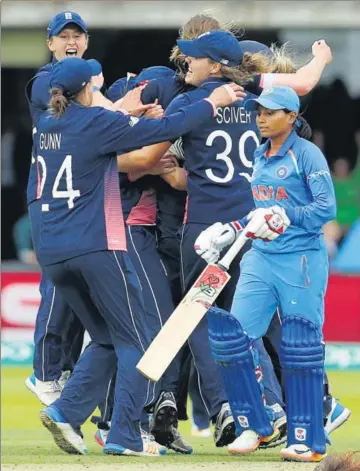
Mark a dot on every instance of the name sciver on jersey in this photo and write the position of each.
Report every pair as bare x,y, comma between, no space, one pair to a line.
50,141
230,114
218,159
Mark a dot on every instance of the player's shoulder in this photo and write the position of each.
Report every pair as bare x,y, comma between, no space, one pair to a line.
180,101
261,149
306,149
101,117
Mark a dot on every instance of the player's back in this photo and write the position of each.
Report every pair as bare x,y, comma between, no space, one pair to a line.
79,187
218,158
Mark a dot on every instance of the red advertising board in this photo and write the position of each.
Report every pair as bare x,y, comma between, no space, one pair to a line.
342,309
20,299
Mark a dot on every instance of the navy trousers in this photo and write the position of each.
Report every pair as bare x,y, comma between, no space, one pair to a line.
103,290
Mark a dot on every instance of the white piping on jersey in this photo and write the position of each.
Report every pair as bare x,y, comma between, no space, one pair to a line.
132,318
152,293
147,278
182,260
183,289
293,158
46,331
128,300
207,83
107,399
199,383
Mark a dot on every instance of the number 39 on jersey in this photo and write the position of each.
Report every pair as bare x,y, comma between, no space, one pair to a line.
224,156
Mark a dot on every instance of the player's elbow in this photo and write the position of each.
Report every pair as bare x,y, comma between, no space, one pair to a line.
303,88
332,211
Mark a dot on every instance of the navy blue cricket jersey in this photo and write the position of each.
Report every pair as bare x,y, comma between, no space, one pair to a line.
38,95
218,158
170,202
78,178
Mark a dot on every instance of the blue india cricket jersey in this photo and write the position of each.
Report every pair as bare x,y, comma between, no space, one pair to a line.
218,158
77,176
297,179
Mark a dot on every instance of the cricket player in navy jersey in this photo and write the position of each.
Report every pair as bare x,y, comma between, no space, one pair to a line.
228,174
139,202
287,267
58,334
82,247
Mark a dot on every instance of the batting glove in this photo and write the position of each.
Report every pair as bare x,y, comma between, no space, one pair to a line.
204,244
269,223
228,235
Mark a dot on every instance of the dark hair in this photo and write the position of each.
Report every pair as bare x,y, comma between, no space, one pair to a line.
302,127
58,102
345,462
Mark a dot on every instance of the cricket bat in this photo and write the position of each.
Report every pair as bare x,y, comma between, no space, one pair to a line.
189,313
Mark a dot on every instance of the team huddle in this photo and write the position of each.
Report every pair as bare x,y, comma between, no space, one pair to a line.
134,194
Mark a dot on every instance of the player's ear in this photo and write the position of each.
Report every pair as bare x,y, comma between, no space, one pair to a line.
216,68
50,45
292,117
87,42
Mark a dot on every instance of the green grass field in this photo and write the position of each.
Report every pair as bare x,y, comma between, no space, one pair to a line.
26,442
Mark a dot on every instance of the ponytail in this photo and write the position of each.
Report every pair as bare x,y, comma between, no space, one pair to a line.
58,102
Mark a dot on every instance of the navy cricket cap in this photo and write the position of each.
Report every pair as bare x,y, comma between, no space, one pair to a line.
95,66
277,98
220,46
254,46
71,75
59,21
154,72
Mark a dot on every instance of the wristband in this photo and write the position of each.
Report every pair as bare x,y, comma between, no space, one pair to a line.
95,88
236,225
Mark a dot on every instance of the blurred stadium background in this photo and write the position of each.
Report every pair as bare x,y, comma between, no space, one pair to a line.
130,35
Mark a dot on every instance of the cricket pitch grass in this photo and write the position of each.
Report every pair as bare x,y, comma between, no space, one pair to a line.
26,445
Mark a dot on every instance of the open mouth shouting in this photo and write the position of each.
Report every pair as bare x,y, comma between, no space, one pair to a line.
71,52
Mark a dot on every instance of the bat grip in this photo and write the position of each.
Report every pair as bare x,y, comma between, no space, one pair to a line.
239,243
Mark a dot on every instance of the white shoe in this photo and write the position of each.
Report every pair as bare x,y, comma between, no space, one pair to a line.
337,416
248,442
46,391
64,435
301,453
151,449
65,375
149,442
200,433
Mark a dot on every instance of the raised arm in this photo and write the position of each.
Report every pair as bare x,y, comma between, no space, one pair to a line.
307,77
180,120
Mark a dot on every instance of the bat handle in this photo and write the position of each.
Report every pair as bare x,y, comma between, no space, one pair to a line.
225,262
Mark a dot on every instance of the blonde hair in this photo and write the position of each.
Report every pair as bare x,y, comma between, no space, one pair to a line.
58,102
197,25
283,59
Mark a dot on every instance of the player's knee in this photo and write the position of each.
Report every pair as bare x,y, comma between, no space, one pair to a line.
228,341
301,344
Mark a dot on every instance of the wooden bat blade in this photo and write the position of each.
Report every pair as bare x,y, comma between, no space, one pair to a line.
182,322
